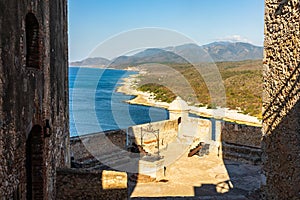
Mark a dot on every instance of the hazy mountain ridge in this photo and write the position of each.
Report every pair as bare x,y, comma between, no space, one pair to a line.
91,61
152,55
213,52
227,51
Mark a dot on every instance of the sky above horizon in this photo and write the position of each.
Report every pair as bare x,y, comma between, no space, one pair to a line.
93,22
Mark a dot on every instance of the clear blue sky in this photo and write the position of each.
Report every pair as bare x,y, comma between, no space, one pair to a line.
94,21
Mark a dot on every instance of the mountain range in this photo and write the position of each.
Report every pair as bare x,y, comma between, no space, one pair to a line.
187,53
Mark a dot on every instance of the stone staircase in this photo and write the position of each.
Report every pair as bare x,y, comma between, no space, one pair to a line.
113,160
246,154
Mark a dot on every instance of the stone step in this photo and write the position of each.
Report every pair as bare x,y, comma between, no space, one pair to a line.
131,166
111,155
108,158
106,155
118,162
102,156
111,164
98,167
241,149
242,158
245,154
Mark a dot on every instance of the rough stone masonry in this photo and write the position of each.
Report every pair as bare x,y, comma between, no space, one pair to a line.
281,107
34,129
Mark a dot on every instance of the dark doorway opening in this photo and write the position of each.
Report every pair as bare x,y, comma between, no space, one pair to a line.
32,41
34,164
179,120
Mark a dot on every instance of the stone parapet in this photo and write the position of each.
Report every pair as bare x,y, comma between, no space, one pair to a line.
241,134
167,130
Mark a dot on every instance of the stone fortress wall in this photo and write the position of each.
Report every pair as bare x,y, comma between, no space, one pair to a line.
234,141
34,129
86,146
202,127
81,147
148,134
241,142
81,184
281,107
241,134
188,130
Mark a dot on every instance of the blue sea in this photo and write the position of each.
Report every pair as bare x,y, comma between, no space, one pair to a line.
95,106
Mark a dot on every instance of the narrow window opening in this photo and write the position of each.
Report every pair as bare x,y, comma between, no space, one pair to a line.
32,41
179,120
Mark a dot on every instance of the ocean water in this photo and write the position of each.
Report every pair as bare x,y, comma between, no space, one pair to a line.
95,106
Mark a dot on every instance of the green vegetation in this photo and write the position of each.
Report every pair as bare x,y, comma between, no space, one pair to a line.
242,81
161,92
211,106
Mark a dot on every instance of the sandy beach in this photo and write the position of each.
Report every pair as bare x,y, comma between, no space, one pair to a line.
129,87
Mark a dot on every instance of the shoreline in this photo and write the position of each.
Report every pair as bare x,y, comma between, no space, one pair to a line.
104,67
129,85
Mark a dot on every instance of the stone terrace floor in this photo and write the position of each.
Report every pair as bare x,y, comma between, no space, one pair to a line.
207,177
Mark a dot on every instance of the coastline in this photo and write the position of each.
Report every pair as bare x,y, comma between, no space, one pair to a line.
129,87
89,66
102,67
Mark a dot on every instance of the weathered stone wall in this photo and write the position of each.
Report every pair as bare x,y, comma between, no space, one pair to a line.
281,110
198,129
168,131
33,89
241,142
93,145
99,144
241,134
80,184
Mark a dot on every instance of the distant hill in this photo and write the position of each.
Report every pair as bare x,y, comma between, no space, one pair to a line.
91,61
218,52
213,52
228,51
192,52
153,55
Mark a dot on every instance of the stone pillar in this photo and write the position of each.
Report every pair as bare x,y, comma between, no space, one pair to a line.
281,109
